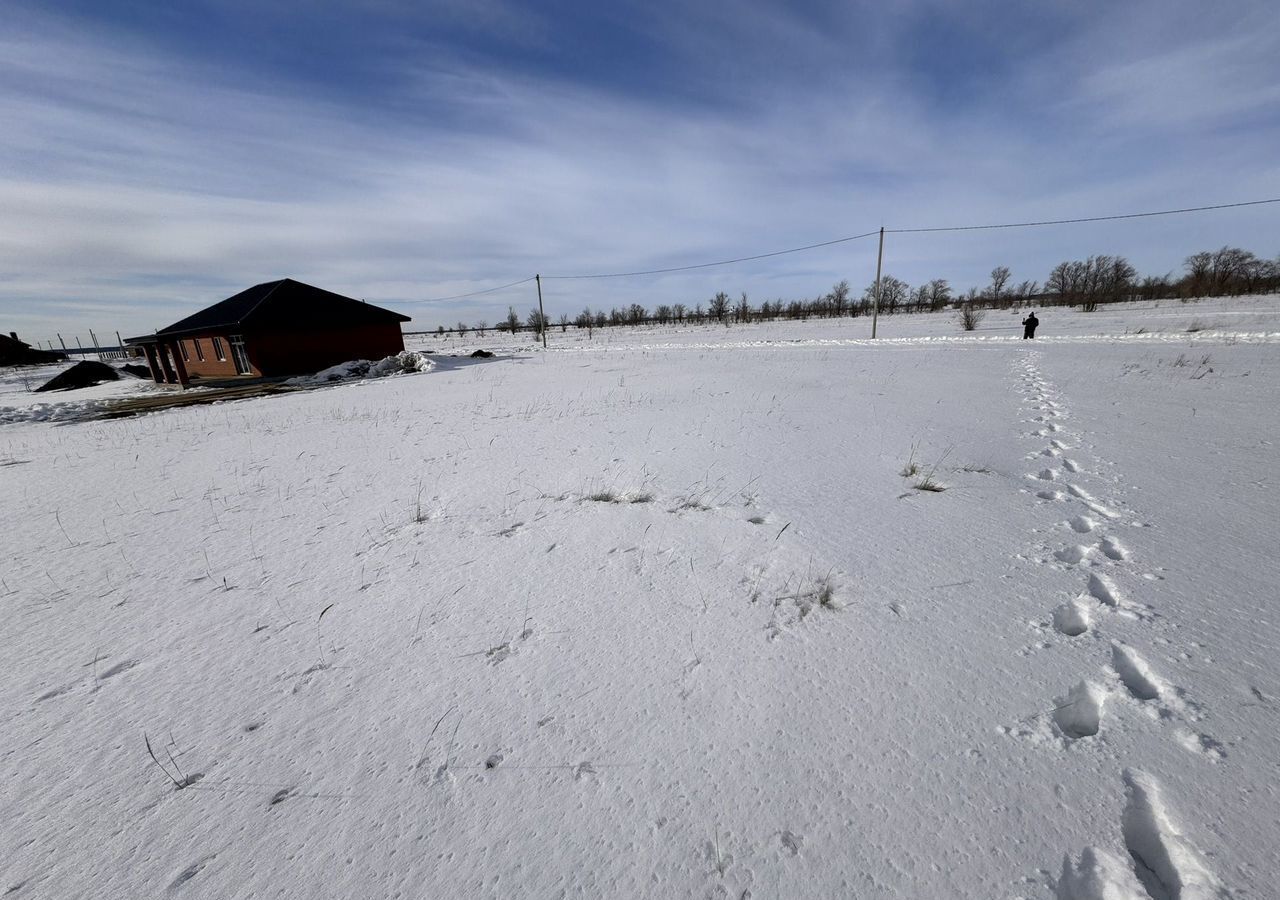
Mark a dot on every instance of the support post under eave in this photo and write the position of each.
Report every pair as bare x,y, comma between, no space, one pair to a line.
183,379
153,363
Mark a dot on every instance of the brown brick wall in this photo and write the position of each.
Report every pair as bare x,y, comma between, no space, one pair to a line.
304,352
294,352
212,367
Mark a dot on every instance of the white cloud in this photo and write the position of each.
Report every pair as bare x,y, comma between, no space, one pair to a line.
147,185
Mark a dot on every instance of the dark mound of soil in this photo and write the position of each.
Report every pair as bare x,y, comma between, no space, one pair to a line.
136,371
82,374
481,354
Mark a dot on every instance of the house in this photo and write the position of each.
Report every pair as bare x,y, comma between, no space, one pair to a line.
16,352
278,328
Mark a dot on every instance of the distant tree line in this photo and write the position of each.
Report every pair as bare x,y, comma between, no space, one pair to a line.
1084,283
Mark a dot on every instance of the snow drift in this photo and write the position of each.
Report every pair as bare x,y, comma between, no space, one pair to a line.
404,362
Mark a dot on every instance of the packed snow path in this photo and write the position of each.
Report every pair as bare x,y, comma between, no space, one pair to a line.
1165,862
641,622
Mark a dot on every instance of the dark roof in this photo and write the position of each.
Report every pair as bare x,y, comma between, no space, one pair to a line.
17,352
279,305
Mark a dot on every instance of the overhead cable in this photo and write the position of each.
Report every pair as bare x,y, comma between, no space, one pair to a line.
1141,215
856,237
501,287
723,262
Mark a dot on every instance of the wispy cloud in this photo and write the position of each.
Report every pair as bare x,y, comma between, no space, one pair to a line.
138,182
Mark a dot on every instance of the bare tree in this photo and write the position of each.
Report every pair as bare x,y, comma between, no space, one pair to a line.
1199,266
999,278
939,294
839,297
538,321
892,293
482,326
513,320
1025,291
461,328
719,305
1086,283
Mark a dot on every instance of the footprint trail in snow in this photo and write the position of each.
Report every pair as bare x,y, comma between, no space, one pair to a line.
1157,859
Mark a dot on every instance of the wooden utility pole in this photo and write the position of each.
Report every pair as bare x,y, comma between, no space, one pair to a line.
542,316
875,310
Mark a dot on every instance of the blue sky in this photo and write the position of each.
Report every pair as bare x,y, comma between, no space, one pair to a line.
156,158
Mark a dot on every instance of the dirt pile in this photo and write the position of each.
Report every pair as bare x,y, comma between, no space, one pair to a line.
82,374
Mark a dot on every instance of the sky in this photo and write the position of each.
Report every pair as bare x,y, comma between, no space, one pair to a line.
156,158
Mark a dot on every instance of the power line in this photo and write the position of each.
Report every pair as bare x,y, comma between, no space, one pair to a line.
501,287
1141,215
856,237
723,262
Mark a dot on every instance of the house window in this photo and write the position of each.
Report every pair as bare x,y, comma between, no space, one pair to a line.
240,354
182,345
199,349
218,351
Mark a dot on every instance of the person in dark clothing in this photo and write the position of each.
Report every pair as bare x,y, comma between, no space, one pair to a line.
1029,326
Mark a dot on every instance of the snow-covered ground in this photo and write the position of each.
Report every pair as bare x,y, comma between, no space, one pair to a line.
20,403
658,614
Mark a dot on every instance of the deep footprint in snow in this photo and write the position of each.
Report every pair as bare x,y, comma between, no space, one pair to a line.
1082,524
1097,875
1047,475
1071,618
1135,674
1079,714
1051,495
1073,554
1103,590
1070,465
1089,501
1168,865
1113,549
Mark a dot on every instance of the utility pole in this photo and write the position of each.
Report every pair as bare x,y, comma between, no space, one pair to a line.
875,312
61,341
542,316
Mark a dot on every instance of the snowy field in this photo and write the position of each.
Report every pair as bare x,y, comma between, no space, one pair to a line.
659,614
